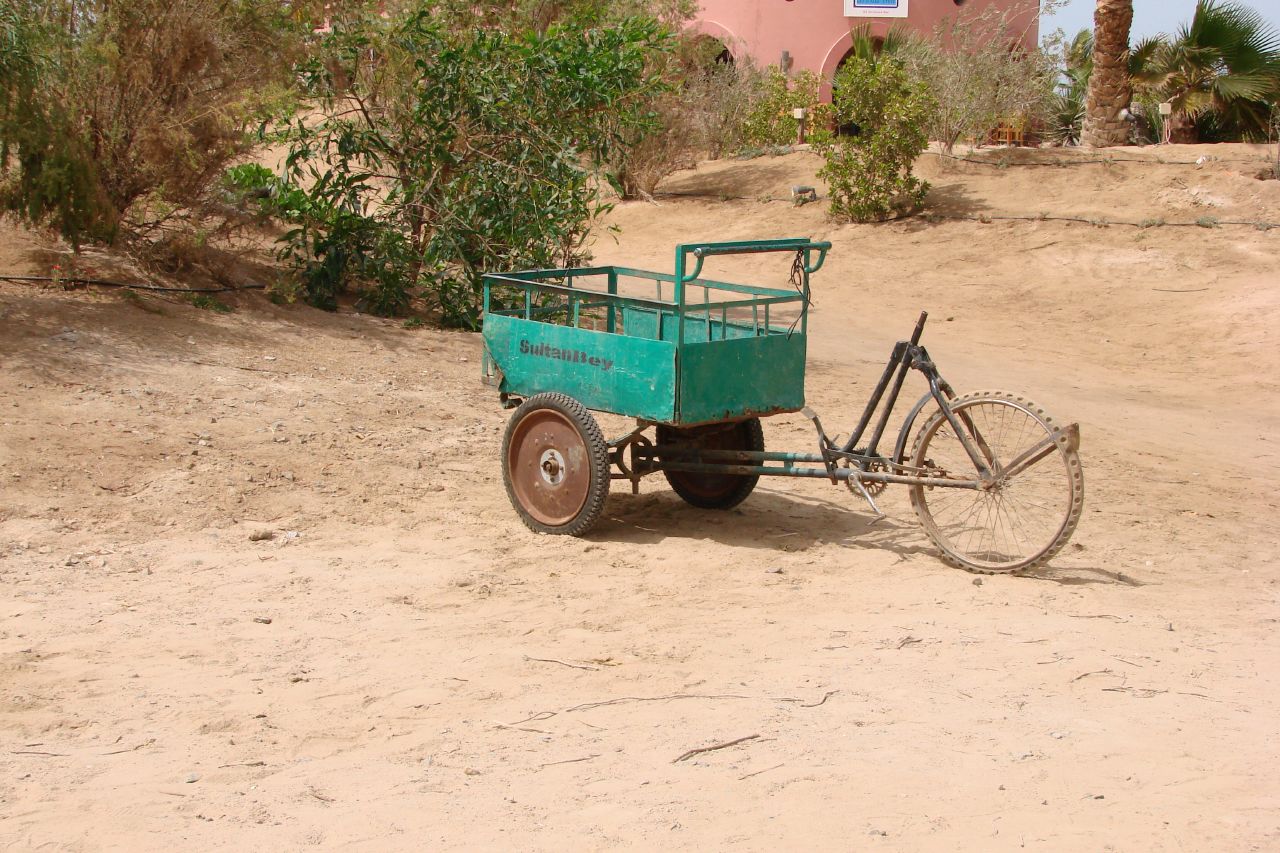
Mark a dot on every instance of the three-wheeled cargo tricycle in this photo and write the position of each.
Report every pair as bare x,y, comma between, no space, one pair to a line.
996,483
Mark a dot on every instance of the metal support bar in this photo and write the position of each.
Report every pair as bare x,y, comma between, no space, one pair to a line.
817,473
744,247
899,352
984,461
659,452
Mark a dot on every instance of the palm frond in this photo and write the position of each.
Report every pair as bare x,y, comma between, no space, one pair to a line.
1242,35
1142,54
1224,61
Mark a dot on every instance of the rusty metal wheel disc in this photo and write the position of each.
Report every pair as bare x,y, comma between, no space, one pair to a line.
550,468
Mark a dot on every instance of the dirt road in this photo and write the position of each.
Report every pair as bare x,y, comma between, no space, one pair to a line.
403,666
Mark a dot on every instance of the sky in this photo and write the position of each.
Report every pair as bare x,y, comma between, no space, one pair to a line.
1149,16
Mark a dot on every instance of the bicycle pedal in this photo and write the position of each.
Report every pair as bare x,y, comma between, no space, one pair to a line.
867,497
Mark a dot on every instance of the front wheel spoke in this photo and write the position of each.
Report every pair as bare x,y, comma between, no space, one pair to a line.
1013,526
1046,520
1034,536
974,512
943,502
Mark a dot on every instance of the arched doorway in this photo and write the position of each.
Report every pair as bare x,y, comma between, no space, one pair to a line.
714,44
707,51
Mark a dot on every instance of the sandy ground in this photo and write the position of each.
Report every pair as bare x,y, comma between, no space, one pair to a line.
404,666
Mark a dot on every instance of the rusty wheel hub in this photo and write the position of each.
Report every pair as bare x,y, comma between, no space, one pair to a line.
550,469
552,466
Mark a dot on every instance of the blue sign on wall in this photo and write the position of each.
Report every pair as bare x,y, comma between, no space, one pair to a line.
875,8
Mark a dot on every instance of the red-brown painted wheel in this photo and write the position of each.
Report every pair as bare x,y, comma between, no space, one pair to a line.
555,465
713,491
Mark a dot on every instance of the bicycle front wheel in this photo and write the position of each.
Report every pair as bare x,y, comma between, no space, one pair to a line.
1032,507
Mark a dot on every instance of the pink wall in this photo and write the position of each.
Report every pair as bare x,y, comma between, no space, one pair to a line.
816,32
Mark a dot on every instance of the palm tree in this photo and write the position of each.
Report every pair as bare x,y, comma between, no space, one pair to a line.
1110,89
870,48
1066,109
1220,71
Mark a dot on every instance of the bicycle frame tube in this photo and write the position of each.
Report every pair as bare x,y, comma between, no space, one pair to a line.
907,355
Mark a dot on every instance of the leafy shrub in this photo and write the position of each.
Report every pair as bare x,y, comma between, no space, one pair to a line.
648,154
770,120
705,110
1220,71
252,186
446,150
1066,110
209,303
868,174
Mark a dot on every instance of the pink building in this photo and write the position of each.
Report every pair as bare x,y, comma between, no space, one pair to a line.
815,34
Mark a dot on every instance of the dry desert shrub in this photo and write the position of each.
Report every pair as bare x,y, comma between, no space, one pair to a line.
122,115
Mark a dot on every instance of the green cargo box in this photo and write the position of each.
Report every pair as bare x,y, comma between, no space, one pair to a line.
714,351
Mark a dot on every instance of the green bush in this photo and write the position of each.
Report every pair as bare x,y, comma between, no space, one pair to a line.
1220,72
719,98
209,303
868,173
770,121
257,188
446,150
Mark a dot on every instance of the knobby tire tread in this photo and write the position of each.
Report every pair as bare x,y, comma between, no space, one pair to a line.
1074,511
597,449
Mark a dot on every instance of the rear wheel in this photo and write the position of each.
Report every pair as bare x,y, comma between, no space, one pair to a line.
1027,515
713,491
555,465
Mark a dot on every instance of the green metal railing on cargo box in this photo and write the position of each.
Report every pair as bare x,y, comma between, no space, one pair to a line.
677,360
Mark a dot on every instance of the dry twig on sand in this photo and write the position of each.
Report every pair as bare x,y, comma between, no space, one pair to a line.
691,753
589,705
570,760
564,663
536,718
822,701
758,772
1094,672
1140,692
147,742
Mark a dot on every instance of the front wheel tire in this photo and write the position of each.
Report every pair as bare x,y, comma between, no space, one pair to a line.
1025,519
555,465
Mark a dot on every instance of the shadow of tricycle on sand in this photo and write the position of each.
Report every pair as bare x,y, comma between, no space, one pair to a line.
785,522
